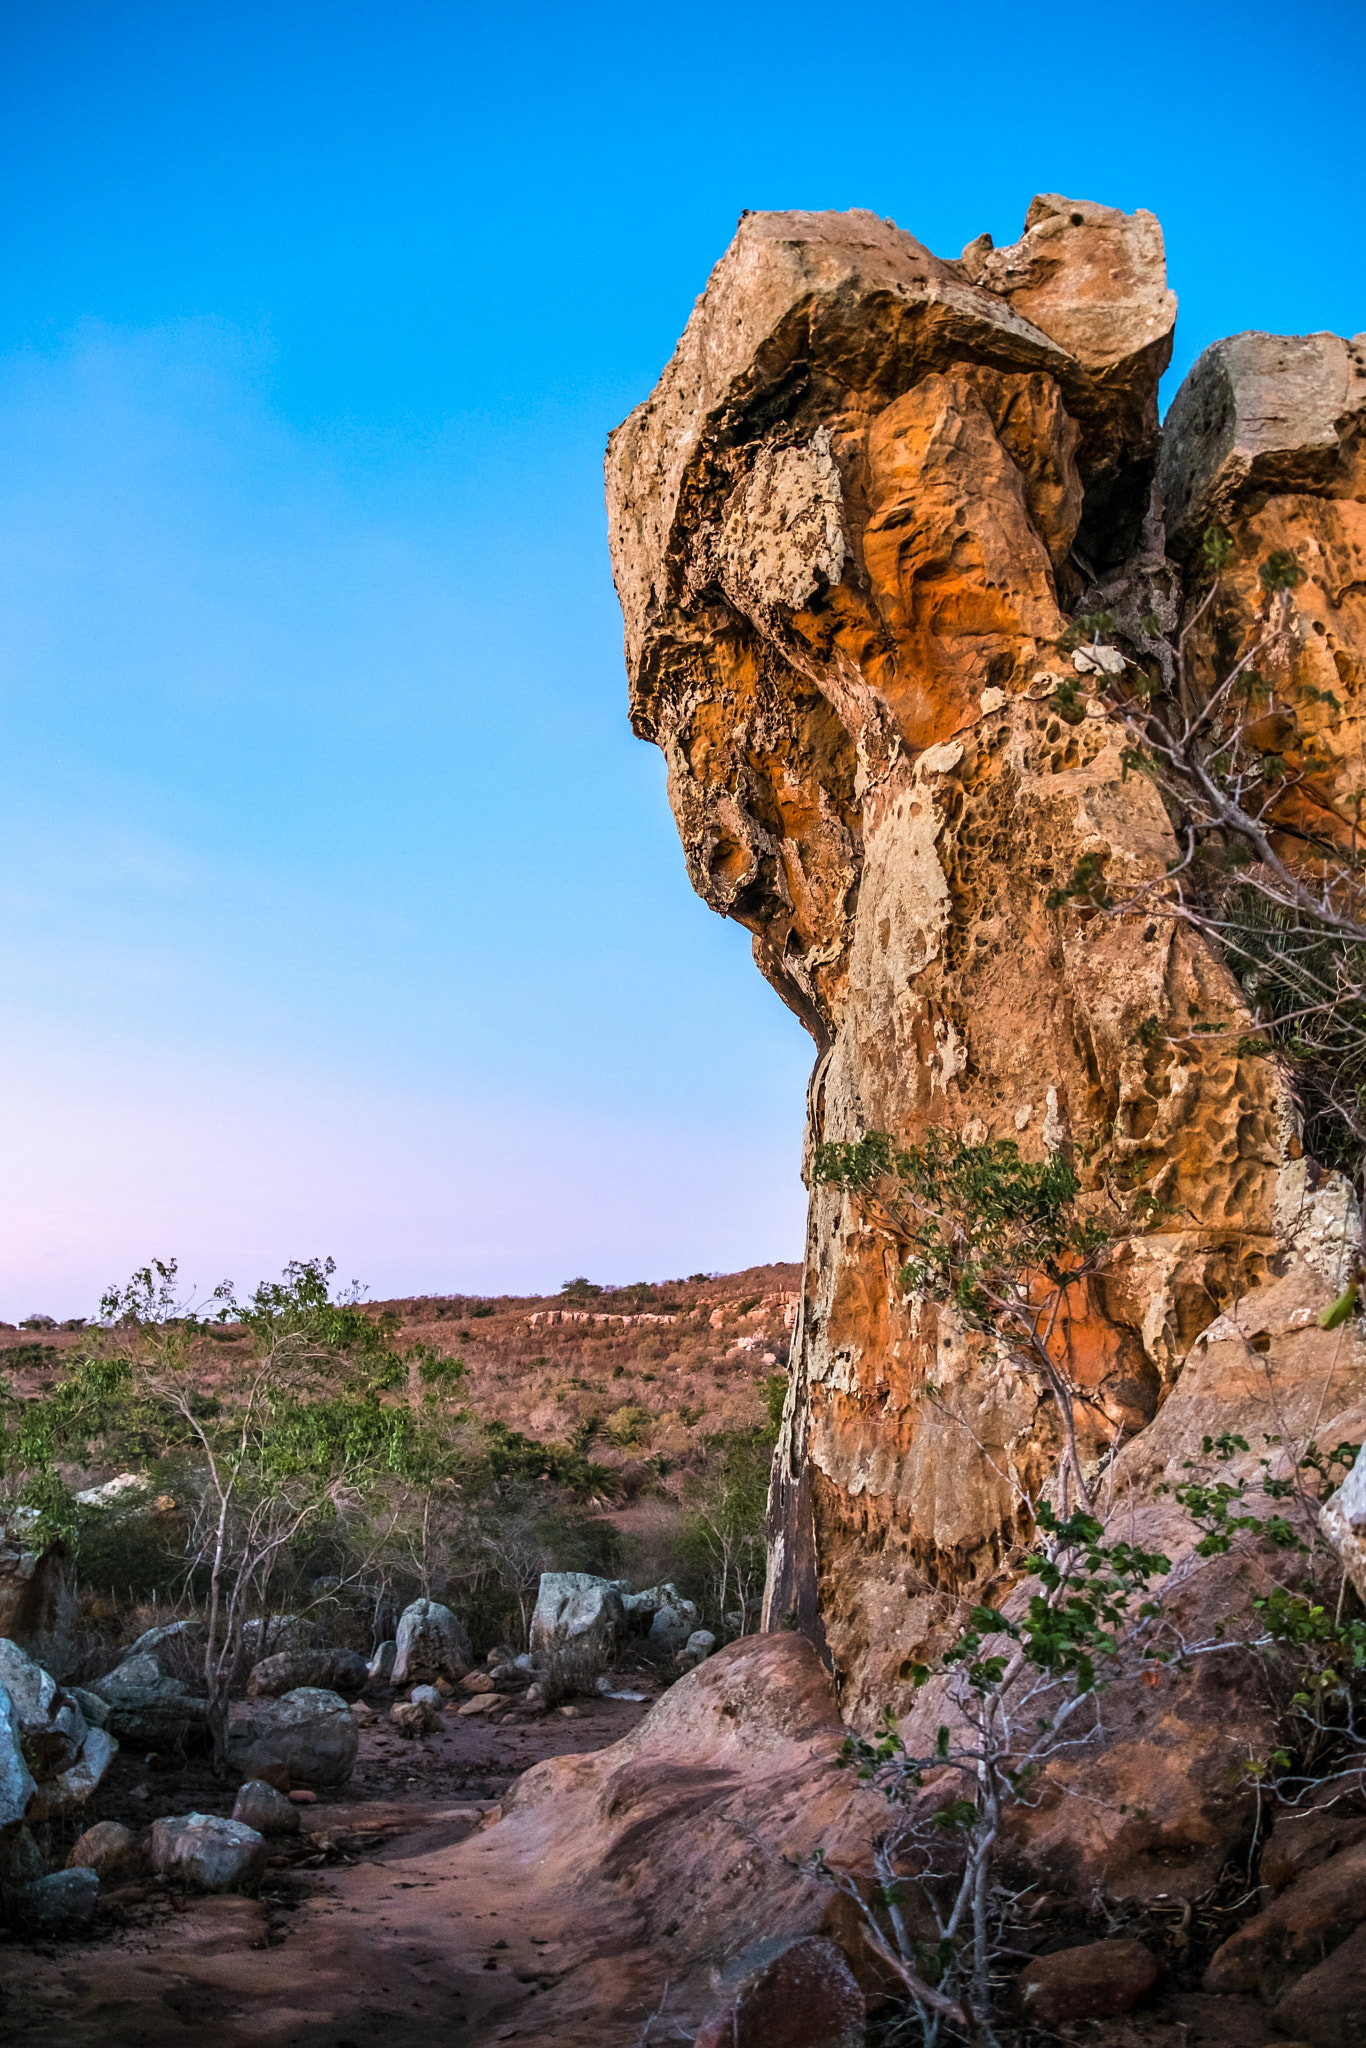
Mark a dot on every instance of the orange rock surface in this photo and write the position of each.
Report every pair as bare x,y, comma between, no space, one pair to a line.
848,529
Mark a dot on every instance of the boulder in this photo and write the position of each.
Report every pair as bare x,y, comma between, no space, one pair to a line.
1095,1982
261,1807
37,1607
310,1734
147,1707
52,1727
1309,1918
700,1644
16,1779
417,1716
70,1788
107,1848
21,1860
1257,412
482,1703
1327,2006
95,1709
166,1634
63,1903
342,1671
138,1676
431,1643
125,1490
577,1615
381,1665
670,1628
208,1852
264,1635
788,1994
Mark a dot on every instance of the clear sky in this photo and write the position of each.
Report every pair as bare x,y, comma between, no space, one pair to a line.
340,911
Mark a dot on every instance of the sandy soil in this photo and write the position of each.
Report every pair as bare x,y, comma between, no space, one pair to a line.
362,1934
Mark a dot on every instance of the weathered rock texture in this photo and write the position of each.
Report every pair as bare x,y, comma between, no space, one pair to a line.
848,529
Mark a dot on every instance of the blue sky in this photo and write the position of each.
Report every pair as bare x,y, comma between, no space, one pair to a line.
339,909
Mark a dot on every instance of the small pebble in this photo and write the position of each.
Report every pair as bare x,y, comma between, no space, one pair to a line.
302,1798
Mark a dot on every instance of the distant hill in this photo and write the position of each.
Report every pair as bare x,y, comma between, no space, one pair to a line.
636,1376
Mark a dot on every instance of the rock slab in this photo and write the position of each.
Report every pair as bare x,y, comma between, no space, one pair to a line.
208,1852
309,1736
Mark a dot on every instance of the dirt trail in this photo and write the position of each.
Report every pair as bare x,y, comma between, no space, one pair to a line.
394,1936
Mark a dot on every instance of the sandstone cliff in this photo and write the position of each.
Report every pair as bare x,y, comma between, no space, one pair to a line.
849,529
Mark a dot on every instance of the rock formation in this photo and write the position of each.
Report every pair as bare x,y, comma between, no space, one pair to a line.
849,528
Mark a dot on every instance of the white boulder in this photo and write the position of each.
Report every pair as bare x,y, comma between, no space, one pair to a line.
260,1806
310,1734
16,1779
577,1614
671,1626
205,1850
431,1643
381,1665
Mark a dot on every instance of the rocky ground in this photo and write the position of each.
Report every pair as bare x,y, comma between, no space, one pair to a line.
361,1932
658,1367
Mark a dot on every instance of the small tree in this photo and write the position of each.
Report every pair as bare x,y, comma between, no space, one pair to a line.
998,1237
1021,1693
724,1535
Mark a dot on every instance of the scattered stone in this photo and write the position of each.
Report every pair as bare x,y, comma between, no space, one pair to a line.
261,1807
342,1671
381,1665
64,1902
1095,1982
304,1798
477,1681
106,1848
578,1614
788,1994
482,1703
699,1645
363,1715
572,1713
415,1717
310,1733
204,1850
608,1690
432,1643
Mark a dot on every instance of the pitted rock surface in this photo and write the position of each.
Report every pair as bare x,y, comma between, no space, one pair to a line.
848,529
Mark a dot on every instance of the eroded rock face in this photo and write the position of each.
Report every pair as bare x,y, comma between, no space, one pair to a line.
848,529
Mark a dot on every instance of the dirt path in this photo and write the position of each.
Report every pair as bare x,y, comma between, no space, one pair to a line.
379,1934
